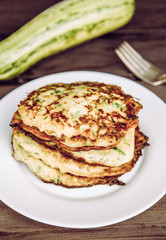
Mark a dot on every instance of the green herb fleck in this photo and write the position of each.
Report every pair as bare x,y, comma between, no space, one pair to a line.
39,100
19,145
55,91
36,153
103,101
127,143
58,179
53,180
102,159
59,105
94,133
75,116
116,105
119,151
38,167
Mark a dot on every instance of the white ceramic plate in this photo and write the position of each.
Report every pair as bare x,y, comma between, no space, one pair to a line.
88,207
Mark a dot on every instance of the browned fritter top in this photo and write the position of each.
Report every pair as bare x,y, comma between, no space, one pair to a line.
81,115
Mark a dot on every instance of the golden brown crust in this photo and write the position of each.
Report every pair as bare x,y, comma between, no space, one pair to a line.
140,143
64,119
77,181
110,181
79,116
16,121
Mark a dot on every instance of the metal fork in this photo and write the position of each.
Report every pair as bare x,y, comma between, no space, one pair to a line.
140,67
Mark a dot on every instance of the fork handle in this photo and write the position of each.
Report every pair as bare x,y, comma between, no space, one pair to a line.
162,78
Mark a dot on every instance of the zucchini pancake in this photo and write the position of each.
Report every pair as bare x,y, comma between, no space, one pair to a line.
79,134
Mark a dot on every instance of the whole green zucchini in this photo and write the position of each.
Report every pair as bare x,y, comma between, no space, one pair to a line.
61,26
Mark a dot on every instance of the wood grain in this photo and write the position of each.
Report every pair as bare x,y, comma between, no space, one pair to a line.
148,225
147,33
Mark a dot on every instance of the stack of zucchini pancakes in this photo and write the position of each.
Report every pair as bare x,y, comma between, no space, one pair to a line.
79,134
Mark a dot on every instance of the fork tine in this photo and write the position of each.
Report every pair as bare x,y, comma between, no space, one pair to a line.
136,54
126,48
130,59
128,63
141,68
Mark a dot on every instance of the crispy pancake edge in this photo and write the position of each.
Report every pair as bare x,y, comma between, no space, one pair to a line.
141,142
16,121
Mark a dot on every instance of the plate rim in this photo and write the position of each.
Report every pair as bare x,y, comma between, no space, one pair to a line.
90,73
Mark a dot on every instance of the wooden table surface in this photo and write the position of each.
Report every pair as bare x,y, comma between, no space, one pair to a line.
147,33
